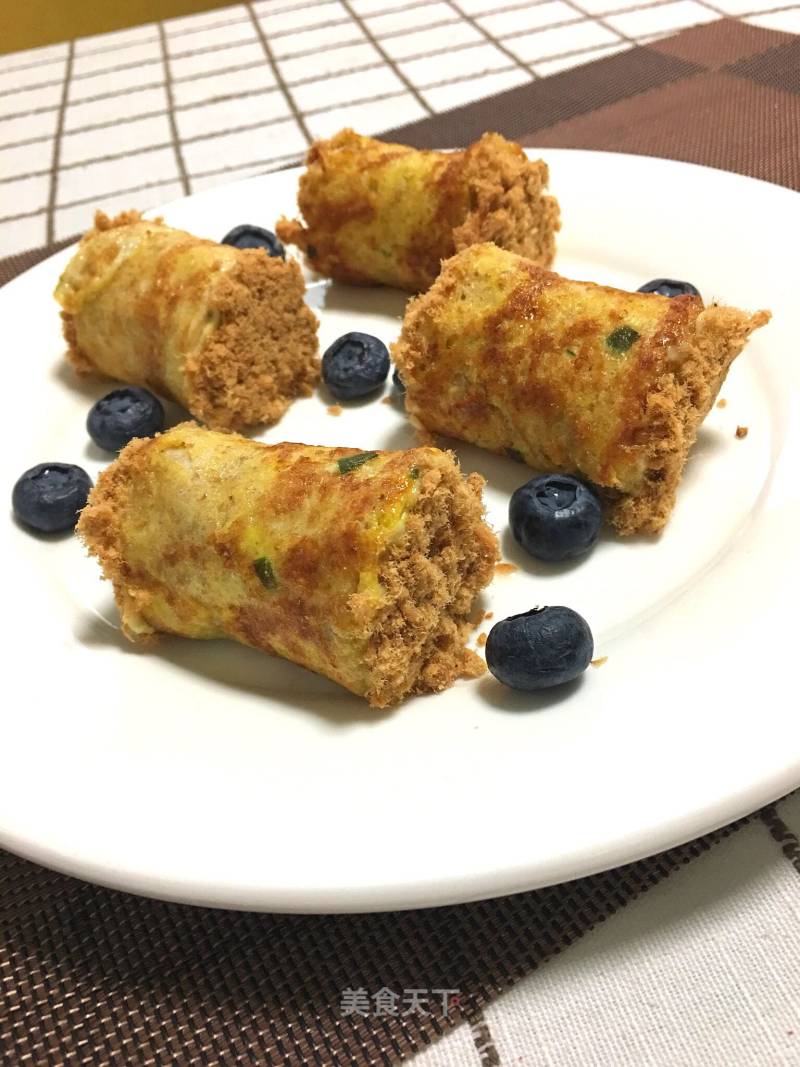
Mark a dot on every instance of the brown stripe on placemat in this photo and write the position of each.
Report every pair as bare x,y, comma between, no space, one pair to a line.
726,124
716,44
721,94
173,126
778,68
376,44
790,845
297,114
543,103
483,1040
601,21
56,160
489,37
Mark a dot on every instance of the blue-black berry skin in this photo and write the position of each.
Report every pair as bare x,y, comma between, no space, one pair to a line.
123,414
49,497
555,517
399,384
355,365
248,236
540,648
669,287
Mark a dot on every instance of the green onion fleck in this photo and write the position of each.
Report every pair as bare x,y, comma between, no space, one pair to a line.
622,338
349,463
414,473
571,352
263,569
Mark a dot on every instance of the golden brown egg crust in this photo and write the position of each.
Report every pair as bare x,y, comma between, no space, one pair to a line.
223,331
386,214
362,567
569,376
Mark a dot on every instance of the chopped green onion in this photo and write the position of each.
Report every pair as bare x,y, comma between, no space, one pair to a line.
414,473
622,338
349,463
263,569
571,352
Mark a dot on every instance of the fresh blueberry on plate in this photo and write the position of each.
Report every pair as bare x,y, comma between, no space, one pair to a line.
123,414
669,287
399,384
49,496
555,517
248,236
539,648
356,364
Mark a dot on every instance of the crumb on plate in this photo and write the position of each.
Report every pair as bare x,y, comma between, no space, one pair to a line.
335,409
481,640
505,568
599,661
722,402
741,431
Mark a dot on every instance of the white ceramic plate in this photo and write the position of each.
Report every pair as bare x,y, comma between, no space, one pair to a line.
209,773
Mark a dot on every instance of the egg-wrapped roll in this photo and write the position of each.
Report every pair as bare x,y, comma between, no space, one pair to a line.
362,566
223,331
386,214
569,376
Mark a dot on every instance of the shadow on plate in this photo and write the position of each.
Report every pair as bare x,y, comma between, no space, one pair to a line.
400,437
235,666
710,441
92,388
329,400
40,535
499,696
358,300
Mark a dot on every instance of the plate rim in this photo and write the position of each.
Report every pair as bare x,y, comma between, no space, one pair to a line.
728,809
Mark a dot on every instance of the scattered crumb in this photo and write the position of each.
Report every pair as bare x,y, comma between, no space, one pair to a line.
335,409
489,615
386,400
599,661
741,431
481,640
722,402
505,568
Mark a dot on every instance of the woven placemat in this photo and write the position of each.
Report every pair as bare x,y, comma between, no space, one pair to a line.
724,94
93,976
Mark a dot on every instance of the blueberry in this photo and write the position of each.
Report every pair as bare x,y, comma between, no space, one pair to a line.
122,415
555,517
354,365
399,384
668,287
540,648
49,496
254,237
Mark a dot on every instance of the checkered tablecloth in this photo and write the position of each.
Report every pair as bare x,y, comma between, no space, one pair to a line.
144,115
